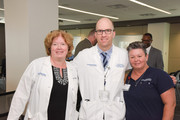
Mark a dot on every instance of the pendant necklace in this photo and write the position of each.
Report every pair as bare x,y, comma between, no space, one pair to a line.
137,81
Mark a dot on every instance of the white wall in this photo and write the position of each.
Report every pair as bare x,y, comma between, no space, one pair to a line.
27,23
161,33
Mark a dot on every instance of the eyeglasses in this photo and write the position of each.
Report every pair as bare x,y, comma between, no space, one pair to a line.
107,31
146,40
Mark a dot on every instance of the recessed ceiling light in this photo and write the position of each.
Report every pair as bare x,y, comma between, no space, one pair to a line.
173,9
81,11
149,6
90,20
69,20
117,6
148,14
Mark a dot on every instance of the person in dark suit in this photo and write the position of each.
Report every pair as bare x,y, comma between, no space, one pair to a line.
155,55
86,43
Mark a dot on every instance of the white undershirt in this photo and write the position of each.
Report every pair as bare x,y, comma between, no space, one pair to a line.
148,49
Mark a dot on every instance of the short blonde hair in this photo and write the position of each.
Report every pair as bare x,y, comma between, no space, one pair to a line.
55,33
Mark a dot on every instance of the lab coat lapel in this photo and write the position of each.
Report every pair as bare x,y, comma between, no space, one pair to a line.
69,68
97,59
112,60
47,69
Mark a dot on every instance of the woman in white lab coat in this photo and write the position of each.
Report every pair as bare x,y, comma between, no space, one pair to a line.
49,84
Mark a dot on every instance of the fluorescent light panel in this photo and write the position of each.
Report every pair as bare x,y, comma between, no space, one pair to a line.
2,20
146,5
69,20
2,9
81,11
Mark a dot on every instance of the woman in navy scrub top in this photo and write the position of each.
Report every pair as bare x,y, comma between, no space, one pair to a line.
151,95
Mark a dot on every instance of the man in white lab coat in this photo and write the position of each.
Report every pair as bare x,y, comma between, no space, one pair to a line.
101,76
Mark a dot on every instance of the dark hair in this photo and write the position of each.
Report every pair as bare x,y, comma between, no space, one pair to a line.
92,32
148,34
137,45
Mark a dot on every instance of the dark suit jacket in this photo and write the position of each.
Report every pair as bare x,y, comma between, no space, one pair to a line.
155,58
82,45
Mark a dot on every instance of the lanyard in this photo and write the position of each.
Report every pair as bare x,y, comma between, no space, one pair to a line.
137,81
105,76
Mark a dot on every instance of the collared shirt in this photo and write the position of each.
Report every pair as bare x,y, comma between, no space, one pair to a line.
108,54
148,50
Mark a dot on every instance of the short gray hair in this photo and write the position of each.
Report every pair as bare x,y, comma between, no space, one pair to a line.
137,45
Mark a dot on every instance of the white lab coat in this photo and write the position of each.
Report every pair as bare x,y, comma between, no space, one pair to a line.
35,87
91,80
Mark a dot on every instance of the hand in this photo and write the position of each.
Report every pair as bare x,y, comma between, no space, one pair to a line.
174,79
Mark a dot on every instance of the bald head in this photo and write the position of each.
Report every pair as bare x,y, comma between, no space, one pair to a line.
104,21
104,33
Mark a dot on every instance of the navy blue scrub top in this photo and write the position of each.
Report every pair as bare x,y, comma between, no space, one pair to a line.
143,101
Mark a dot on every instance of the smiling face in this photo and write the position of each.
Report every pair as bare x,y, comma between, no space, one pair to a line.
147,40
59,48
105,39
137,58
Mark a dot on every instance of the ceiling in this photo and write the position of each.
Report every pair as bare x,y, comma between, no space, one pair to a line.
125,10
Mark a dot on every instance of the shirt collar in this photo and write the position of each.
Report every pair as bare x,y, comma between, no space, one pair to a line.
148,49
108,51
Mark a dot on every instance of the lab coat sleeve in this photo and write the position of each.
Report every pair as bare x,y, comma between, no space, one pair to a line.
71,113
128,67
22,93
76,61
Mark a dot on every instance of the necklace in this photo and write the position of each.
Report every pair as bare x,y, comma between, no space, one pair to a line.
137,81
61,80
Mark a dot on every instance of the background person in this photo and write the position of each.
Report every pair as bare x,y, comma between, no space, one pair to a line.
155,58
49,84
87,42
151,95
101,72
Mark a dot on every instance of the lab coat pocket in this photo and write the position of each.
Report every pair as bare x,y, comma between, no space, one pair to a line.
30,116
89,110
116,110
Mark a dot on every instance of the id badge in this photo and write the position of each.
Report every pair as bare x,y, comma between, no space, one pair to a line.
104,95
126,87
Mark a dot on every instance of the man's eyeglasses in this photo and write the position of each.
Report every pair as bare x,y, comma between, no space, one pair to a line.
146,40
107,31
